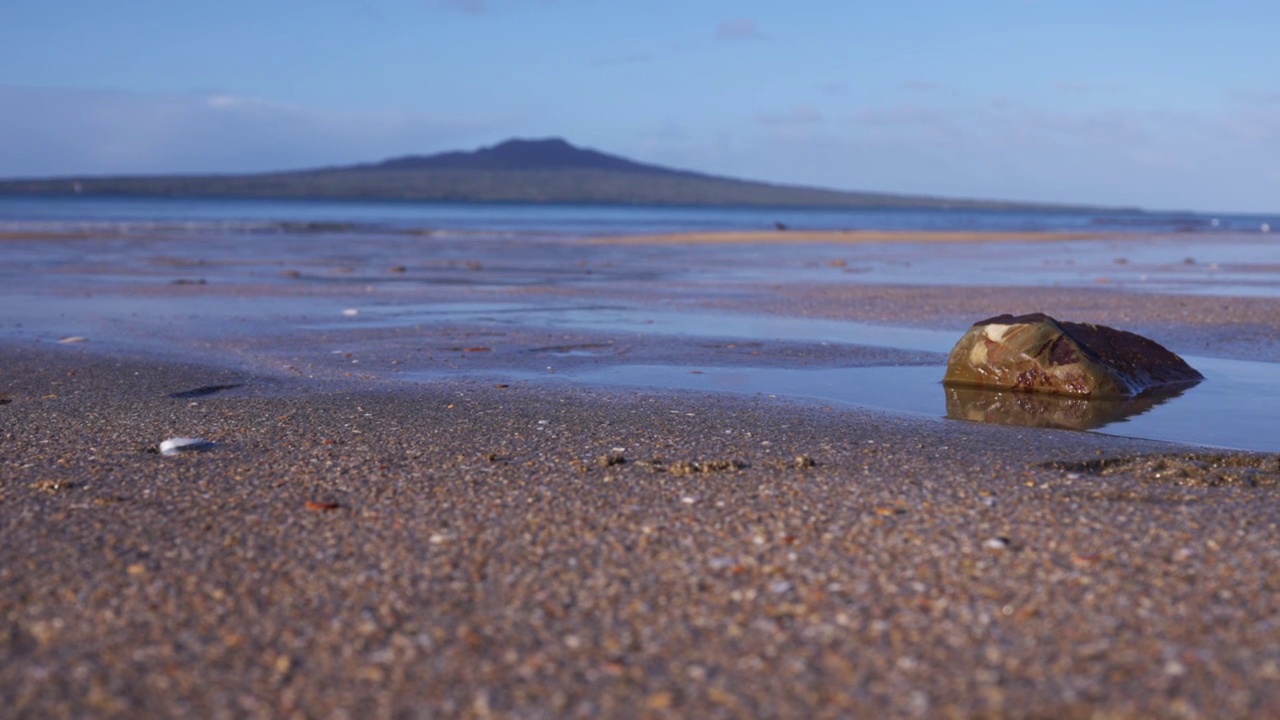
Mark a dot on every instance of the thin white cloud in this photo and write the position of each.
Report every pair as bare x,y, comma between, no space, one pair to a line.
1266,97
1092,128
798,115
1081,87
899,115
1251,125
227,101
738,29
76,132
630,59
482,7
923,86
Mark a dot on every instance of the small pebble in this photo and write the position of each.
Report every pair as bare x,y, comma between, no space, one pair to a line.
178,445
721,562
53,485
996,543
611,459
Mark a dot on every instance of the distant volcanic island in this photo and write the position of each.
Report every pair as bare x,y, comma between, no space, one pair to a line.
528,171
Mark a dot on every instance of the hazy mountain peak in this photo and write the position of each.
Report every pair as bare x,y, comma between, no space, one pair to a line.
521,154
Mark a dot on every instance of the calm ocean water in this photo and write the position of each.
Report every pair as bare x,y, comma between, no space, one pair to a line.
229,215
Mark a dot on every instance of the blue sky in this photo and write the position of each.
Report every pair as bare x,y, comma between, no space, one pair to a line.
1167,105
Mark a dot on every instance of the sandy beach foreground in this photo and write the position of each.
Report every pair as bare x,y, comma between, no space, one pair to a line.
478,541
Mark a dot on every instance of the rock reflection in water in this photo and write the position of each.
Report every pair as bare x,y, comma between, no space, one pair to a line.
1005,407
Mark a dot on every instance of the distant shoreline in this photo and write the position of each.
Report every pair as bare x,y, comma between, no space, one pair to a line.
548,170
26,214
758,237
716,237
56,188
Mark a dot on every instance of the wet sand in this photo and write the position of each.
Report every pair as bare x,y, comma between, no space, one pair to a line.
475,545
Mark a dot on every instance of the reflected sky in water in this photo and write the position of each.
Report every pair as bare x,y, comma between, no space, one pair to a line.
1237,406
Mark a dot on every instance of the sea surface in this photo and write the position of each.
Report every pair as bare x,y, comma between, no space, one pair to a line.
124,214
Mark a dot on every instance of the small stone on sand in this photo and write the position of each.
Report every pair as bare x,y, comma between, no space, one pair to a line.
996,543
179,445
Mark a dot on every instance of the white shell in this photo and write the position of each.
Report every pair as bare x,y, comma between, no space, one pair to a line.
175,446
996,543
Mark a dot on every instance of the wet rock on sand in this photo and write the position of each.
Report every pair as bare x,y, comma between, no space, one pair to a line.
1035,353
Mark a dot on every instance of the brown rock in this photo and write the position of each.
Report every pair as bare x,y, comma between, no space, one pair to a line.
1035,353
